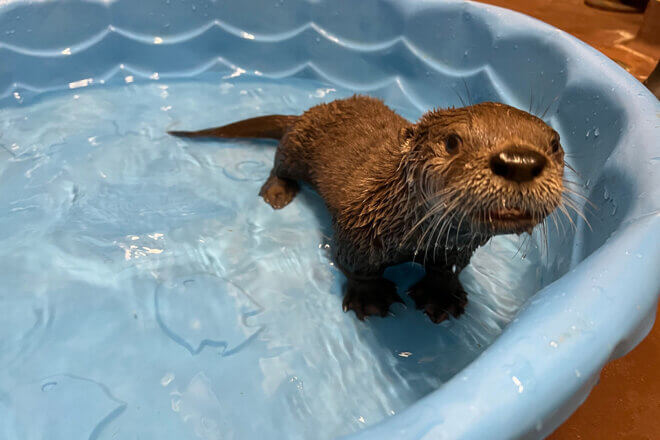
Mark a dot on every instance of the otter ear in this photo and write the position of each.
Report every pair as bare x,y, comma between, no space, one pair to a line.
406,134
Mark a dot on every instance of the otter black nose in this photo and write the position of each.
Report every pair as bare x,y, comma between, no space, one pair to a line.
518,164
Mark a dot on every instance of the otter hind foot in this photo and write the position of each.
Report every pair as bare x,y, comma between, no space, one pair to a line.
439,297
370,298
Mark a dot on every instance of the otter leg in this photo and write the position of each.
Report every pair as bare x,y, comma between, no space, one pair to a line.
439,294
278,192
366,292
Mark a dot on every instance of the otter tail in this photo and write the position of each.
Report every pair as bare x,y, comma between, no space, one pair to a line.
271,127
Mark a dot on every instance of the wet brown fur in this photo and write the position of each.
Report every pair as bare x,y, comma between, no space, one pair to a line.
397,193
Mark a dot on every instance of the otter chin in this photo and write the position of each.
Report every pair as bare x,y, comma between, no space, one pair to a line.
431,191
503,221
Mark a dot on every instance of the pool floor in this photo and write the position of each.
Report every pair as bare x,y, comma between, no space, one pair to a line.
148,292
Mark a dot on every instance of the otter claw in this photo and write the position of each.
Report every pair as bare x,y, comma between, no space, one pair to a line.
436,300
370,298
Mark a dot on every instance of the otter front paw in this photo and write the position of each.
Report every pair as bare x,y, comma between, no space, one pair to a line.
439,298
278,192
370,298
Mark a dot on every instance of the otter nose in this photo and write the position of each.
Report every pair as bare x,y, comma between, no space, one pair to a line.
519,164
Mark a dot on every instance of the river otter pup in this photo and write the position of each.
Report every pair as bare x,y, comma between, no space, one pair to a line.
430,192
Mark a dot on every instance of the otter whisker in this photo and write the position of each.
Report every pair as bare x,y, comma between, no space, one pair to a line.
436,203
431,212
544,229
446,225
421,238
522,244
468,92
571,192
560,220
437,222
477,234
548,107
430,229
448,233
459,97
460,222
571,204
570,167
448,211
564,211
554,219
448,215
573,182
543,90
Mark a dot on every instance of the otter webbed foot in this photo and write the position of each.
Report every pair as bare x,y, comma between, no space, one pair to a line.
370,297
439,294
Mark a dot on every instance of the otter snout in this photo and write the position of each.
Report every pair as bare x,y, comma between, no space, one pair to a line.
518,164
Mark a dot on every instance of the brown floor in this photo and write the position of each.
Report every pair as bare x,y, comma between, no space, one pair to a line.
612,33
625,405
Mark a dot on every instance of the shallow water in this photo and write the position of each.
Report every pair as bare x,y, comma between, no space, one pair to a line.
148,292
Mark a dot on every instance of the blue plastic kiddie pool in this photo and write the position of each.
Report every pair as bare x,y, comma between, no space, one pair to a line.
146,291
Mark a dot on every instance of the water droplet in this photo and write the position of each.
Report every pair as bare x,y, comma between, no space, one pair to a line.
554,344
596,132
518,384
587,135
167,379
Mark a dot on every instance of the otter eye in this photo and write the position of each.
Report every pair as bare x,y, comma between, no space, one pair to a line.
453,143
555,145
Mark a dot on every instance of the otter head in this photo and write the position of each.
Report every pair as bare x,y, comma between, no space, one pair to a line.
489,166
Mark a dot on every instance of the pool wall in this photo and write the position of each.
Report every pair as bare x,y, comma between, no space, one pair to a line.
601,280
